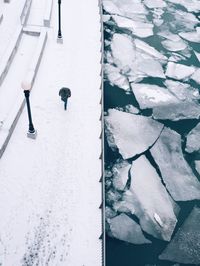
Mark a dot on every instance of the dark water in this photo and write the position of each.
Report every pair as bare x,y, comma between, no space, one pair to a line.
119,253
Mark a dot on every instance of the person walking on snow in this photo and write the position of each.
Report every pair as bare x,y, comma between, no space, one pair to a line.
65,93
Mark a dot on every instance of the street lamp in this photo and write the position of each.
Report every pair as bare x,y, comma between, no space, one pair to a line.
32,133
59,20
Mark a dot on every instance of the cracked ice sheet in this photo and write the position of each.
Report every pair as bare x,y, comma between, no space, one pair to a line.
127,8
192,142
123,51
155,3
131,134
138,28
185,246
115,77
174,46
191,6
124,228
149,96
182,91
153,205
179,71
178,177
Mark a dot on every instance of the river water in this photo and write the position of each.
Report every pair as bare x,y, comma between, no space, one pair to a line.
171,18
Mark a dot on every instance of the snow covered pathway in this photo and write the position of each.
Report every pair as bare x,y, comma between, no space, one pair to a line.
49,189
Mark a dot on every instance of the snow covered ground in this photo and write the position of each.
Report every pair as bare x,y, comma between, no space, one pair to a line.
49,187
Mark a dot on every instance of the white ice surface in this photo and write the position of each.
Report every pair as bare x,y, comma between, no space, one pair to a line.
179,71
150,199
131,134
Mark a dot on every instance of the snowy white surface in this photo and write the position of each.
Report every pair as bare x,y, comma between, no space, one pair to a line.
179,71
49,189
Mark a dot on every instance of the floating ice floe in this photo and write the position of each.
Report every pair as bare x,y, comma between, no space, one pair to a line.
123,51
149,96
179,71
185,246
127,8
174,46
148,196
196,76
177,111
193,143
124,228
197,55
197,166
193,36
155,3
149,49
138,28
169,36
120,175
176,173
131,134
115,77
110,7
191,5
131,109
176,57
182,91
149,67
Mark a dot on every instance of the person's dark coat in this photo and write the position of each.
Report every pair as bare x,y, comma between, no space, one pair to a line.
65,93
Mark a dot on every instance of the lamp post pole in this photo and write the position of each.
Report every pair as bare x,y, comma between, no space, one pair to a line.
59,20
32,133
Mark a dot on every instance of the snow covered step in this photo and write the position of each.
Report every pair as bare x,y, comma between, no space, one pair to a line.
35,61
177,175
47,14
25,11
1,17
32,30
10,53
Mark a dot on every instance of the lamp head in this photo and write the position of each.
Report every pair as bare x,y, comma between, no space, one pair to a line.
26,86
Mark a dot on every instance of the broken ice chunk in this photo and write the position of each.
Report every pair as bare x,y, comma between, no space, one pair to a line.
124,228
149,96
115,77
179,71
196,76
197,55
192,36
185,246
120,175
123,51
174,46
193,143
150,67
176,173
111,8
149,49
153,205
155,3
182,91
177,111
131,134
197,166
138,28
